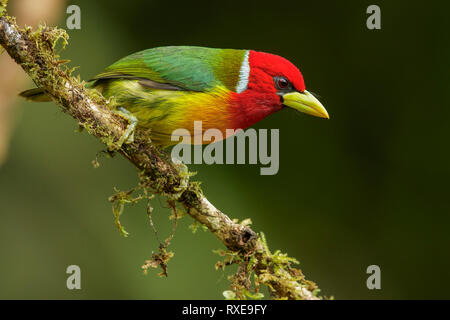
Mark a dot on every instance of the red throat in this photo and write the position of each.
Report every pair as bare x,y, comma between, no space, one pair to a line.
260,99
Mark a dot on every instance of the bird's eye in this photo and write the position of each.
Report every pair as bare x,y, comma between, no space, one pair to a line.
282,83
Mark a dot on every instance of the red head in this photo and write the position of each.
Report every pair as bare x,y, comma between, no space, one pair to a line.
268,83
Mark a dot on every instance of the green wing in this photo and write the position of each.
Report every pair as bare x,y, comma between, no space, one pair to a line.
180,68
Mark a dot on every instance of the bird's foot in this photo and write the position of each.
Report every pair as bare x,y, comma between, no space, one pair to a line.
128,136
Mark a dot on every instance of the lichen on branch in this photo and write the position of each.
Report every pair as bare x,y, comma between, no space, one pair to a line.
35,52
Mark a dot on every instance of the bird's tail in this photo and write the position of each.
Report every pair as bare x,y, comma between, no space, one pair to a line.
35,95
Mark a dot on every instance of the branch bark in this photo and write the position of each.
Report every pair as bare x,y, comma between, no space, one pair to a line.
34,51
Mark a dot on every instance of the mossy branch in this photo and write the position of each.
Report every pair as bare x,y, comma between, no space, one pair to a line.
34,51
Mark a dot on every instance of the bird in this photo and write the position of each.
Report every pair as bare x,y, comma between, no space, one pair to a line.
166,88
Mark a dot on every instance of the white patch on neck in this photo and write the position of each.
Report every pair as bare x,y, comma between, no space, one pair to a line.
243,74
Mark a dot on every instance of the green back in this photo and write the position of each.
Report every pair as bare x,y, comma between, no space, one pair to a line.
189,68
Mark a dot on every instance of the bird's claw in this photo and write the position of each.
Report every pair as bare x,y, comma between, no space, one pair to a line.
128,136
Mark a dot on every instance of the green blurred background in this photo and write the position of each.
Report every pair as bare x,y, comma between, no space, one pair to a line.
369,186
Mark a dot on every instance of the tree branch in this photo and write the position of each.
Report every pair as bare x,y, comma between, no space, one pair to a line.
34,51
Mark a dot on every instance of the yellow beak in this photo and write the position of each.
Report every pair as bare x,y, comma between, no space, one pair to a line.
305,102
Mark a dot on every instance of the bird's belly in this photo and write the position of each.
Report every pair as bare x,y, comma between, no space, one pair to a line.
164,111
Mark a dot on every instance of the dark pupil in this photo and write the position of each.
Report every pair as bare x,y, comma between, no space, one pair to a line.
282,83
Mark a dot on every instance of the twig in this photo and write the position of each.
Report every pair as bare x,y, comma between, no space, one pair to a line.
34,51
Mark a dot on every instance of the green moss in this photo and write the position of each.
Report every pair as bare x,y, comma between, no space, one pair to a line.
119,199
194,226
3,4
273,270
159,259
